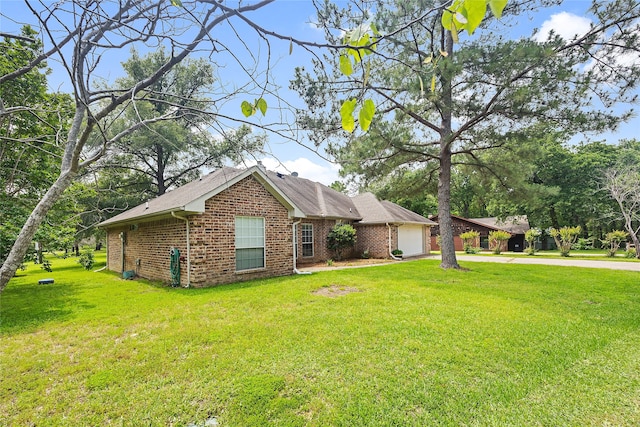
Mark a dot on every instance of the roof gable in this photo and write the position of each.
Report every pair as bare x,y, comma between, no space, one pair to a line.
375,211
511,224
191,197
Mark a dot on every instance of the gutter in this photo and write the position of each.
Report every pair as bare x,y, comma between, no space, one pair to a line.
295,250
390,254
186,220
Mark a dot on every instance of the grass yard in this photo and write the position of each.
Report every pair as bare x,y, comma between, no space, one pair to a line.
402,345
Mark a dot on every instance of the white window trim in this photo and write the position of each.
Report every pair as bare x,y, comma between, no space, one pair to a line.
264,247
303,242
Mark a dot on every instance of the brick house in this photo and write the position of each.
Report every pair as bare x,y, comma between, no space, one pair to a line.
516,225
241,224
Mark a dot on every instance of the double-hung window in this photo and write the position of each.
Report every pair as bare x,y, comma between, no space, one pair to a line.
307,240
249,243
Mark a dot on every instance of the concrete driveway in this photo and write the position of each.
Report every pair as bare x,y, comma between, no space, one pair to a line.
601,262
565,262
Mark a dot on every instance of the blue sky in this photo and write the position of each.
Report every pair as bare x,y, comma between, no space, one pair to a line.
295,18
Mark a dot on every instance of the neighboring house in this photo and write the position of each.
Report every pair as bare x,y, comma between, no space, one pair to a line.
241,224
516,225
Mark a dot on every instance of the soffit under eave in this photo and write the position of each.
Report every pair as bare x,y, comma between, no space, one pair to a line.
398,223
150,218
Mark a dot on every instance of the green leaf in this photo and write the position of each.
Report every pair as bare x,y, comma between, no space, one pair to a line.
176,3
474,11
497,6
421,86
355,53
290,46
374,29
261,104
366,114
345,65
433,83
247,109
447,19
364,40
454,34
448,15
346,113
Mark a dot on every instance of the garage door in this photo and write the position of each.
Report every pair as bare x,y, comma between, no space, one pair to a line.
410,240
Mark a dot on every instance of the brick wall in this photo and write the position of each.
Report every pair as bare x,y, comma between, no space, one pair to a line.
321,229
427,239
149,243
212,240
460,226
375,239
213,235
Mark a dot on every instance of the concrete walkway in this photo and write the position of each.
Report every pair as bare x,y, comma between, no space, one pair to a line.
602,262
565,262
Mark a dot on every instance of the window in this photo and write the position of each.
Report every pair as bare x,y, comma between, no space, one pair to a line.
249,243
307,240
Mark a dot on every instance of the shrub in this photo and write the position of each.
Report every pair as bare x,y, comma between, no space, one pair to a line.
584,243
531,236
613,240
497,239
470,241
565,238
341,237
396,252
86,258
46,265
630,253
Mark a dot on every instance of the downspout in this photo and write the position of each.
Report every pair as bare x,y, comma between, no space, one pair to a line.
122,237
107,249
295,249
390,254
186,220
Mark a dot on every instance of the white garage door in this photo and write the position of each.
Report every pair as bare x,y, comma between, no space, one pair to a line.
410,240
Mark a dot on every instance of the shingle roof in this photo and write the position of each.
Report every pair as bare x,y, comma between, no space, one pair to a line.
375,211
315,199
190,197
303,197
512,224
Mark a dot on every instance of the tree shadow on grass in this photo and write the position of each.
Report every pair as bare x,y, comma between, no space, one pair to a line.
228,287
24,307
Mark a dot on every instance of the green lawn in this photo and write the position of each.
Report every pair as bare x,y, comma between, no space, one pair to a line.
496,345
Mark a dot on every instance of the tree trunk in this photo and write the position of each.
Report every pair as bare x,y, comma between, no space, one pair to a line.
636,242
447,247
39,258
20,247
554,217
162,188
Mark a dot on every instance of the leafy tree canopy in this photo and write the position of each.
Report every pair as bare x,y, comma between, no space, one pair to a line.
486,92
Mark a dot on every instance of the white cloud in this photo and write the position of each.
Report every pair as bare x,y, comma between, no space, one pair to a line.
320,171
314,25
564,24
